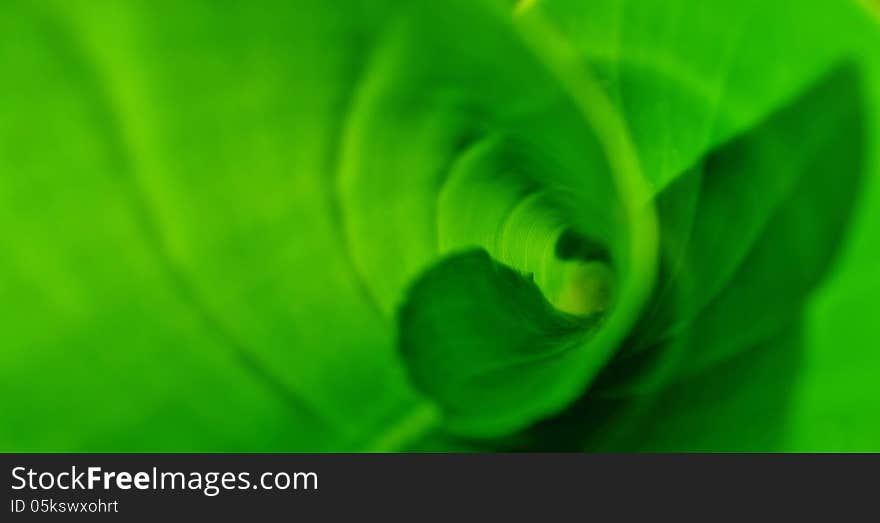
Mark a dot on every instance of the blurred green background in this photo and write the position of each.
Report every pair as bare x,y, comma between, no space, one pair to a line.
212,214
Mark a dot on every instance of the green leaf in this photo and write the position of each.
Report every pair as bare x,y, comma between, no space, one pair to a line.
205,203
482,340
217,221
746,236
688,76
497,170
750,231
